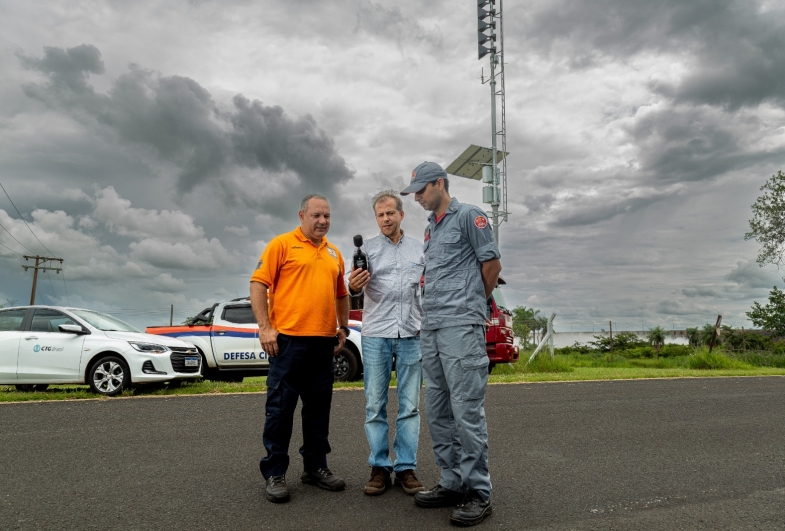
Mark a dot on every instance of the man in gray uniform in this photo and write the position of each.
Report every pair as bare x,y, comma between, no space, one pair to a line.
461,269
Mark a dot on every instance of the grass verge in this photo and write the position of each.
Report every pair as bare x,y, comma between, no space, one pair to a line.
572,367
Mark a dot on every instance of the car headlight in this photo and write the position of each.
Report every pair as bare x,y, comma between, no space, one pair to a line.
150,348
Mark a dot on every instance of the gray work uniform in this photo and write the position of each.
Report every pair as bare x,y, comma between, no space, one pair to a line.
455,363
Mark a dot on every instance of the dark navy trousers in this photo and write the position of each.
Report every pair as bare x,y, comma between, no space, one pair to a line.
303,369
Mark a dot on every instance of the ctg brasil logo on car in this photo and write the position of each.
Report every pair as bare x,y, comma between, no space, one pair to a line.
38,348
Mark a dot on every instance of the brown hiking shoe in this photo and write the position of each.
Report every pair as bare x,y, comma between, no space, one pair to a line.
379,482
409,482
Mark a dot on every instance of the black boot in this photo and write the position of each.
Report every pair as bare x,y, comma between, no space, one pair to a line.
472,511
277,491
438,497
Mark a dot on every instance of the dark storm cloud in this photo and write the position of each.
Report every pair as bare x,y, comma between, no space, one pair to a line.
181,122
699,292
692,144
735,49
749,275
590,209
68,68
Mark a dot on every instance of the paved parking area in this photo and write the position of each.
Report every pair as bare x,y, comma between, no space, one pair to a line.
648,454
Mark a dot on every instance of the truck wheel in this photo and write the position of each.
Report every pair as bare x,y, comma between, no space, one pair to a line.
109,376
346,366
490,367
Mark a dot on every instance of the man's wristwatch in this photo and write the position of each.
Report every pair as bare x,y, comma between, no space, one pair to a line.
345,329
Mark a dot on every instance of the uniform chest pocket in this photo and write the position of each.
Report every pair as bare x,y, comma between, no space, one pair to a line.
450,246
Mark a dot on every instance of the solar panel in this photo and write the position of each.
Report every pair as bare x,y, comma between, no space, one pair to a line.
469,163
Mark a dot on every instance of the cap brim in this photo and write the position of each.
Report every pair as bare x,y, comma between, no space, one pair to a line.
413,188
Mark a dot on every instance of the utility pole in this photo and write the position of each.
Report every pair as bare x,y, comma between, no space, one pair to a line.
610,327
716,333
40,262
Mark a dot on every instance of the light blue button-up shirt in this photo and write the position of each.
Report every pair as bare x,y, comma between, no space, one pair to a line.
392,305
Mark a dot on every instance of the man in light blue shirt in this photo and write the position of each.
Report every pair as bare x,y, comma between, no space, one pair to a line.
391,327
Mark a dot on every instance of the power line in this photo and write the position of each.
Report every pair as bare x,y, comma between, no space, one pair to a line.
20,254
12,236
65,289
25,222
51,285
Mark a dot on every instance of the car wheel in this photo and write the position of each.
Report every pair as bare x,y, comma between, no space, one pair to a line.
109,376
28,388
346,365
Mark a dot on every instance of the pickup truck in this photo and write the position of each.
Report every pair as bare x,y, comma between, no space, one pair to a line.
227,337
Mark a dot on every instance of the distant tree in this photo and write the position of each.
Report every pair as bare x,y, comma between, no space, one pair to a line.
522,332
656,337
621,341
770,317
706,334
528,322
694,337
767,225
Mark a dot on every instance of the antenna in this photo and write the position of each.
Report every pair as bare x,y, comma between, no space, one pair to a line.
490,164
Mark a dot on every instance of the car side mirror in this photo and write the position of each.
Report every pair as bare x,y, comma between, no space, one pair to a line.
72,329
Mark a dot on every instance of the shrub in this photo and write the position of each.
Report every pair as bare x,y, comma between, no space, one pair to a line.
639,352
672,350
621,342
544,363
761,358
715,360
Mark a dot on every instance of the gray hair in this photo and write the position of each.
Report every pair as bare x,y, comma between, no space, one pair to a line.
385,194
304,203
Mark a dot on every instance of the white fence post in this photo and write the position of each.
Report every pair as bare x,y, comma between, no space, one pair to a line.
548,339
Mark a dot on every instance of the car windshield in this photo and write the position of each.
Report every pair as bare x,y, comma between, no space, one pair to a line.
104,322
499,298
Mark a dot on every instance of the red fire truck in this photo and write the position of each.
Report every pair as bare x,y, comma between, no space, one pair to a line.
499,339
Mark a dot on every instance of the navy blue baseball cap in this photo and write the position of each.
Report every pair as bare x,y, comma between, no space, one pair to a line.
427,172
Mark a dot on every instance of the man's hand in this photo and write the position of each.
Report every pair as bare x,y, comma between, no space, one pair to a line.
358,279
341,335
269,340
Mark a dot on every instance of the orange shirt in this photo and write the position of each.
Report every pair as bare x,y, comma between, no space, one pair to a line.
302,282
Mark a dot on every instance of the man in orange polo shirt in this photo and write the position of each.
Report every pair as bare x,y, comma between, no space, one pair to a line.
301,304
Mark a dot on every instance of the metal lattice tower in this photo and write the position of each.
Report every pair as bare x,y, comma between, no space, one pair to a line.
490,164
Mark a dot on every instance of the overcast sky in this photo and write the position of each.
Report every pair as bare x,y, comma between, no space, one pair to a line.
157,146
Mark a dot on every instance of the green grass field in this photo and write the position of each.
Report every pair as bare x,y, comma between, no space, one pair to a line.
571,367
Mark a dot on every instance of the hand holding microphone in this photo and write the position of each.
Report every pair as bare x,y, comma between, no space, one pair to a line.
359,277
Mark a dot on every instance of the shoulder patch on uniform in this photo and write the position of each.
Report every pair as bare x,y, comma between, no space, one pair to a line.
480,222
259,264
332,253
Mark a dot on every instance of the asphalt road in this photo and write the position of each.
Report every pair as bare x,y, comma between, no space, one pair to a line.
645,455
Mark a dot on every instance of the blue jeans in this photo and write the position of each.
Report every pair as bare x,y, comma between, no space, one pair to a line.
377,365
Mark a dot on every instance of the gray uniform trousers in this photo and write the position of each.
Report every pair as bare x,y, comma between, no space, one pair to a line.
455,369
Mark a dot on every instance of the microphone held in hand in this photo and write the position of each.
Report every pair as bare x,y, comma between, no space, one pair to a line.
360,259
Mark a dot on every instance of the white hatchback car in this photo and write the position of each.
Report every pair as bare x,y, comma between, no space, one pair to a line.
42,345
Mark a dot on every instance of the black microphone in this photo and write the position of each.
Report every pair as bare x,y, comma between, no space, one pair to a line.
360,259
